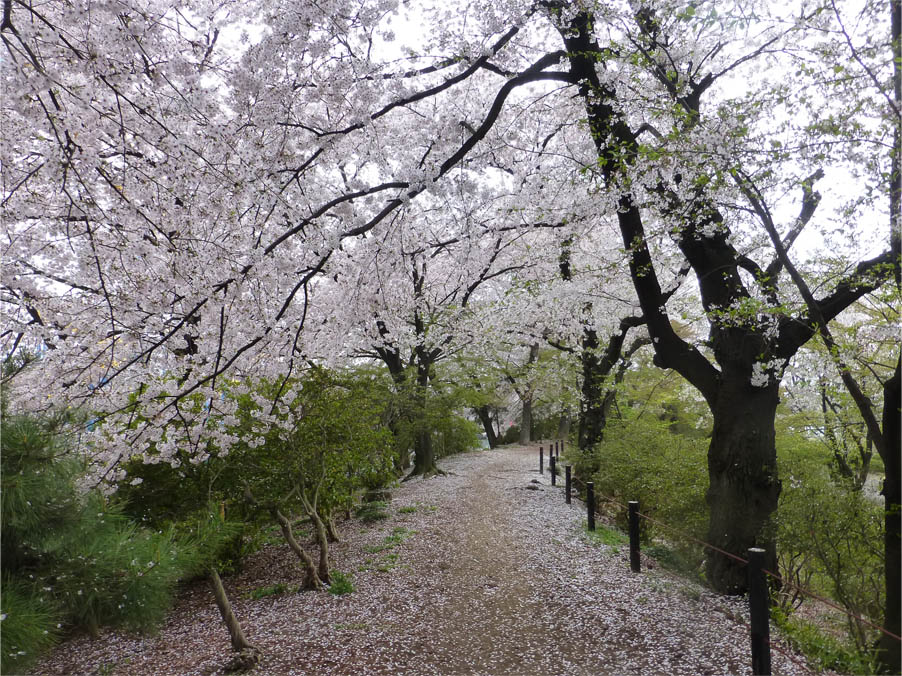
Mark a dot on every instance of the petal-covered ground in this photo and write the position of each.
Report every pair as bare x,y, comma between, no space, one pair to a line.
480,571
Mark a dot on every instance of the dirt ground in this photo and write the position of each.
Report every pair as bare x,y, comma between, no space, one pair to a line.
485,570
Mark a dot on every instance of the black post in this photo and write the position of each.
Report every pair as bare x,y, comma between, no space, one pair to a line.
562,444
568,483
633,507
590,504
759,613
541,460
553,469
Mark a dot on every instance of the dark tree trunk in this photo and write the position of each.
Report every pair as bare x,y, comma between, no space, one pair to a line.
889,648
742,459
592,415
423,455
485,417
744,488
563,424
599,385
526,420
423,451
332,530
322,538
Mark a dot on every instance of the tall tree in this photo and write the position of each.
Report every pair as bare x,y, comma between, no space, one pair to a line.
174,203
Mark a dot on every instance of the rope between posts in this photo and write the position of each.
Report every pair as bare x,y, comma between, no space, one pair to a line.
775,646
735,557
827,602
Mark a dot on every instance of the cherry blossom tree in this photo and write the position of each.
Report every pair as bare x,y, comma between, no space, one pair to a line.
182,182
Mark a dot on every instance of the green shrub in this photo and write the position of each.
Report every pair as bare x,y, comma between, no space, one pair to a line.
824,652
108,572
454,434
341,583
667,473
28,626
271,590
71,558
369,512
830,540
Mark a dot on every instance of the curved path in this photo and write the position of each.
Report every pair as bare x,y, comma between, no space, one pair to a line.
485,570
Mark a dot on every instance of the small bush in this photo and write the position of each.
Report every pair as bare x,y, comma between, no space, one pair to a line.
270,590
28,626
666,472
71,558
830,539
341,583
369,512
824,651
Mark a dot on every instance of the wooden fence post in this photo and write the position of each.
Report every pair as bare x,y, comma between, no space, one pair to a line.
633,508
590,504
541,461
568,483
759,613
553,469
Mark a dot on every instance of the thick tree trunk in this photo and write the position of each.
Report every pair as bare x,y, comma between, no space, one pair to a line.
592,415
423,451
744,487
311,578
526,420
423,456
889,648
563,424
485,417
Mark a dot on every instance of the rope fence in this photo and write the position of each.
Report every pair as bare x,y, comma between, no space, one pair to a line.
759,596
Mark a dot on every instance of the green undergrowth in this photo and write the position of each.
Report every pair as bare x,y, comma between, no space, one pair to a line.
606,535
389,559
341,584
824,652
370,512
278,589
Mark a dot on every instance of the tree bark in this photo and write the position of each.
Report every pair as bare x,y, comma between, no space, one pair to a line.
485,417
239,641
743,485
332,530
592,415
888,647
311,578
526,419
563,424
423,455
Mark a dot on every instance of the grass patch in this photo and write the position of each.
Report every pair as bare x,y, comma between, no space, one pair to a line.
398,535
341,583
408,509
605,535
271,590
370,512
352,626
388,561
678,561
824,651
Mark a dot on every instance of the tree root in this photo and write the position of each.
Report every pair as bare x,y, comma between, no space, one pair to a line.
425,474
245,660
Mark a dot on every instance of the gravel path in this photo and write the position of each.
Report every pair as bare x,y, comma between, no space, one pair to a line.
481,571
